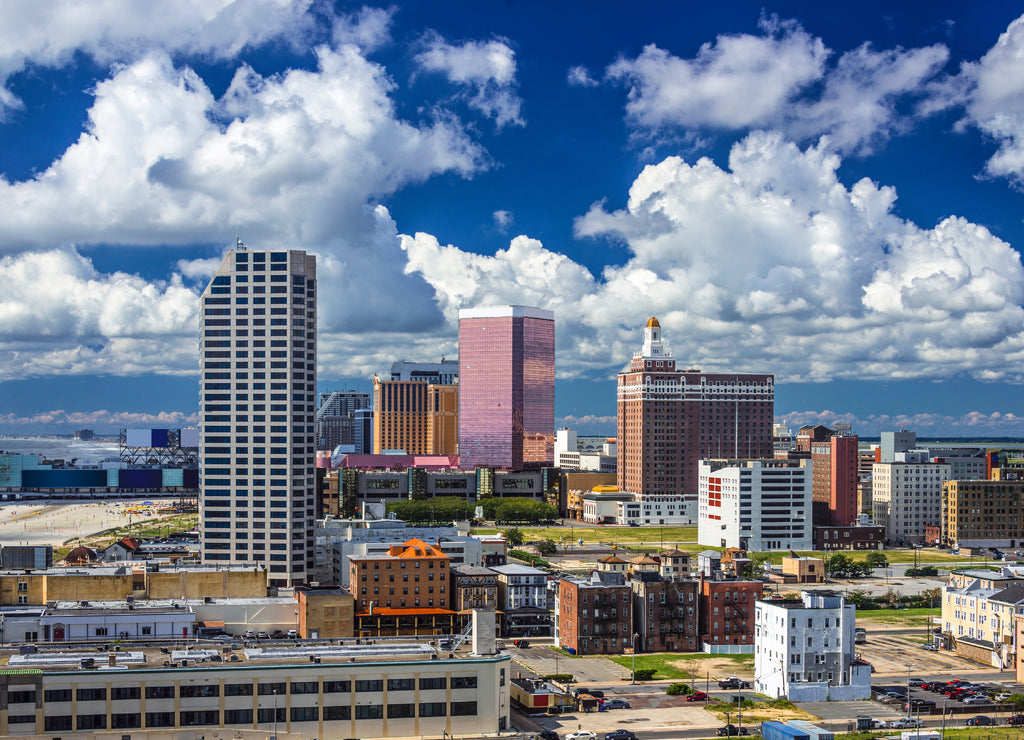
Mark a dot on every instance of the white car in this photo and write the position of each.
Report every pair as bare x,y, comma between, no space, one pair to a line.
904,722
581,735
975,699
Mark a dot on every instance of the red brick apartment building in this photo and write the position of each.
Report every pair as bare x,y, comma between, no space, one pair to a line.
594,615
727,611
665,613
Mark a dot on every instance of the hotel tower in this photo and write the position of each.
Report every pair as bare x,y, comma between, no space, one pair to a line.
257,407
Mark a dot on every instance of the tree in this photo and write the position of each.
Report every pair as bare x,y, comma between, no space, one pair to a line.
1015,702
877,559
547,547
514,537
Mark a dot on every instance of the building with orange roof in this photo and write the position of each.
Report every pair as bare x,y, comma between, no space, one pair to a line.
403,592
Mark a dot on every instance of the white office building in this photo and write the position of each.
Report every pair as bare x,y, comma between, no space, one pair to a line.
258,399
804,649
755,504
907,494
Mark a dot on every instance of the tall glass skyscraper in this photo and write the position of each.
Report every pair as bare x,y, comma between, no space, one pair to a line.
257,403
506,387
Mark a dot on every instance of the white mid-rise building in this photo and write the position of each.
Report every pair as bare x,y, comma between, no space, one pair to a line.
755,504
258,400
906,495
804,649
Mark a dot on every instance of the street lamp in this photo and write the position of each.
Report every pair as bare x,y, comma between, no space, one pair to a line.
275,714
296,622
632,679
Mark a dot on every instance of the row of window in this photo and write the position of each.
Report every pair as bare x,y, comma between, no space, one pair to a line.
245,689
211,717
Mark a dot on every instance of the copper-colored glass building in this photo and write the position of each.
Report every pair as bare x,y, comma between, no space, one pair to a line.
506,387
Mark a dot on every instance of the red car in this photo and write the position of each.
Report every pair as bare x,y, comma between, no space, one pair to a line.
696,696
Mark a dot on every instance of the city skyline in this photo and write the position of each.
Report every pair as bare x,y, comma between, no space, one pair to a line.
830,196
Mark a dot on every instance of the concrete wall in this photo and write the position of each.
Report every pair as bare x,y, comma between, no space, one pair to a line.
219,584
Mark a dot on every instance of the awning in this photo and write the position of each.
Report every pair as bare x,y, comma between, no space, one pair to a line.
211,624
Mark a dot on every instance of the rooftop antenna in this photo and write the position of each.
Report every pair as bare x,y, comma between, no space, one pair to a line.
239,244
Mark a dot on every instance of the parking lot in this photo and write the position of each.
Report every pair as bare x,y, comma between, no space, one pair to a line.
928,702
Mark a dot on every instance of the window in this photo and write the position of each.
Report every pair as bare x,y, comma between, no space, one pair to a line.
238,716
125,692
21,697
344,712
57,695
370,711
266,689
16,719
159,719
198,690
370,685
267,715
463,708
159,692
401,711
238,689
427,684
91,722
92,695
305,687
433,709
401,684
464,682
63,722
305,714
124,721
337,687
200,717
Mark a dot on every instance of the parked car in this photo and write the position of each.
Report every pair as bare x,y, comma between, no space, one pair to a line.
980,721
262,635
865,724
915,682
905,722
619,735
277,635
581,735
1016,720
733,683
731,731
919,704
293,634
521,643
250,634
596,693
580,690
616,704
696,696
547,735
976,699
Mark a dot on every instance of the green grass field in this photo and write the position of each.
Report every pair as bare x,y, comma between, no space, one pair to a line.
682,665
901,617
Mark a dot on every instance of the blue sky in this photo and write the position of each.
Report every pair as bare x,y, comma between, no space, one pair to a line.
832,194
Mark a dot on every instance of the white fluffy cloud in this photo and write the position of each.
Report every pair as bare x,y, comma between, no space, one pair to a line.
992,93
485,70
368,28
772,264
294,160
781,78
48,34
970,424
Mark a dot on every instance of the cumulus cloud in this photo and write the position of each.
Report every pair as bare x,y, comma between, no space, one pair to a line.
991,91
781,78
502,220
368,28
50,34
970,424
771,264
299,159
486,71
59,420
580,76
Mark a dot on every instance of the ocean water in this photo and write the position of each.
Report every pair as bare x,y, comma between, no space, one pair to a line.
62,448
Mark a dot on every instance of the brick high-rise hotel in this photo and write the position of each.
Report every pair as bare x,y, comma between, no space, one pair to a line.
669,419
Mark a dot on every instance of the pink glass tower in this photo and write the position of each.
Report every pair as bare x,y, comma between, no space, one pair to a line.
506,387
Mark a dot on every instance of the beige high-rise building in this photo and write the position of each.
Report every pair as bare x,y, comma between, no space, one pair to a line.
258,400
416,417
